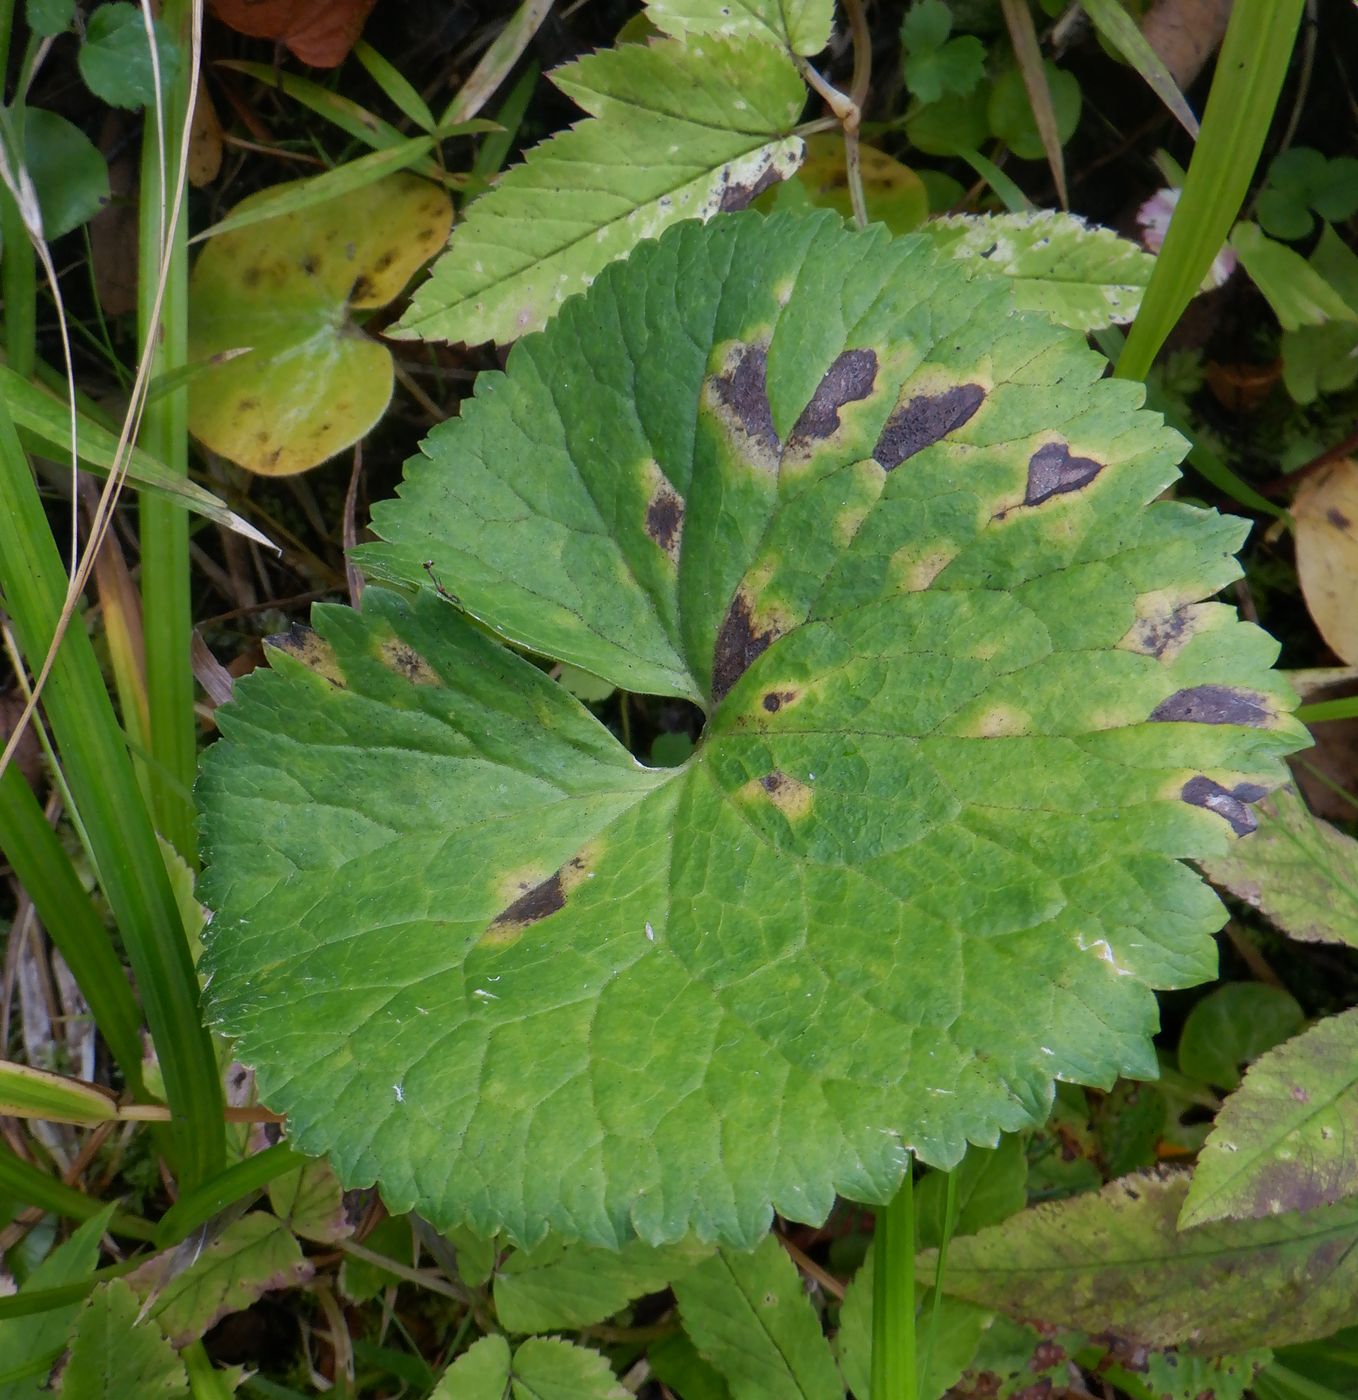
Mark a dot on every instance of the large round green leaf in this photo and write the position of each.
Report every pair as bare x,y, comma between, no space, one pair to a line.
964,712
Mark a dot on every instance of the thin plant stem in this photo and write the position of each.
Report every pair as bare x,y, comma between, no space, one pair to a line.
949,1225
894,1375
166,602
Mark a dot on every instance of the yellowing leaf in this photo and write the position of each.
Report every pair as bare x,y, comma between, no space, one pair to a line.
312,383
1326,512
894,194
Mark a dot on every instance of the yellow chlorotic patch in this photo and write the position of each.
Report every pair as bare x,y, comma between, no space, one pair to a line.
316,654
406,661
914,569
792,798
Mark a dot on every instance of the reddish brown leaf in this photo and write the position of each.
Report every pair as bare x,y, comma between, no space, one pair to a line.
318,32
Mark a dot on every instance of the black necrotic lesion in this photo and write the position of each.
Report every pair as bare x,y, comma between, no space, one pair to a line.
925,420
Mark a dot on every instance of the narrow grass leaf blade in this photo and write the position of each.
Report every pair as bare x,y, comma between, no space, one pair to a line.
1249,76
48,420
346,179
99,771
1028,54
26,1092
44,869
228,1187
34,1187
497,62
1120,29
1324,711
395,85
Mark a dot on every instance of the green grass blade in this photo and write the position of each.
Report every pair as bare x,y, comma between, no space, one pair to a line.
100,775
167,618
34,1187
1121,31
1249,76
1325,710
395,85
230,1186
46,420
30,1302
343,179
43,868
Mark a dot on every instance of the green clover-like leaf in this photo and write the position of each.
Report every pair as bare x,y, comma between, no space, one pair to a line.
964,710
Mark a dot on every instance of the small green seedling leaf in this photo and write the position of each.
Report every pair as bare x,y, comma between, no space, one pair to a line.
1231,1027
1297,869
991,1186
749,1316
188,1289
677,131
1117,1262
1079,274
115,1352
936,66
1298,294
963,711
558,1286
950,126
543,1368
803,26
48,18
1010,111
1324,359
68,173
1283,1140
312,382
116,61
1302,183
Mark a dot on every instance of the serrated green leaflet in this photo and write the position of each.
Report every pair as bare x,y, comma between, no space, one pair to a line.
677,131
1079,274
802,25
963,711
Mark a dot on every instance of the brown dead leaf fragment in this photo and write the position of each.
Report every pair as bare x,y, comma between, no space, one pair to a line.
317,32
1326,513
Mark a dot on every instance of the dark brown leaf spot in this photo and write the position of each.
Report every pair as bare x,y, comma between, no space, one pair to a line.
737,196
537,903
744,390
1052,471
362,289
924,421
851,377
309,265
247,405
1046,1355
251,276
776,699
1338,519
1299,1094
1231,805
738,644
771,782
665,520
1211,704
